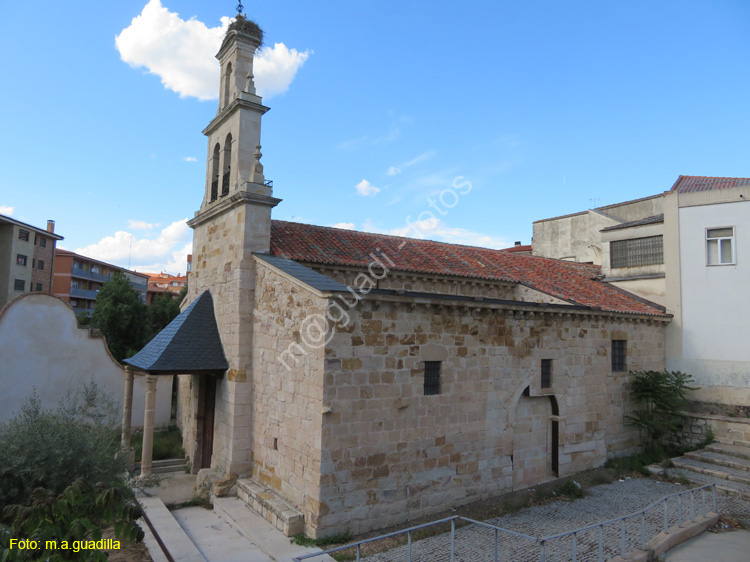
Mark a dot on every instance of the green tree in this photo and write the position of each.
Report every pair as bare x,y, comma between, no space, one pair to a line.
662,395
121,316
164,308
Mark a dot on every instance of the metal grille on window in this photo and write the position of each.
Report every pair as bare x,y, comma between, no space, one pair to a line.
546,373
431,377
619,352
637,252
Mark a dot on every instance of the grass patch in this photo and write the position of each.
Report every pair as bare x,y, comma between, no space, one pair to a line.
194,502
637,463
167,444
571,489
332,540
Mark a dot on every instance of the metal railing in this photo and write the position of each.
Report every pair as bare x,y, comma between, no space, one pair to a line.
597,542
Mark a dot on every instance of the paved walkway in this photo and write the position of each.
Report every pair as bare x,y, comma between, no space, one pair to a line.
476,544
713,547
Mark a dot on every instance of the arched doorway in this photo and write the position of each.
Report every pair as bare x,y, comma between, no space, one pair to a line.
535,440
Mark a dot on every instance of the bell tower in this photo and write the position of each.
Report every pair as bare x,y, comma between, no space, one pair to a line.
234,220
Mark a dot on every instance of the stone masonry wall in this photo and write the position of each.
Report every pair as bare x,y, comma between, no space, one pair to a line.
420,283
390,453
288,402
223,263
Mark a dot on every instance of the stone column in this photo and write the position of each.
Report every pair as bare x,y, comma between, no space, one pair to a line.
148,426
127,417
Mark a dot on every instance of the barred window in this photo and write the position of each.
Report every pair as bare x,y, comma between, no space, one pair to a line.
619,355
546,373
431,377
637,251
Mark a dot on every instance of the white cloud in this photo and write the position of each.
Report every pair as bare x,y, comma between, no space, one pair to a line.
181,52
190,159
394,170
140,225
345,225
6,210
434,228
163,253
276,67
366,189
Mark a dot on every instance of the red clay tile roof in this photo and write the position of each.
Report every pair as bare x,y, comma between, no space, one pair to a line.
573,282
690,184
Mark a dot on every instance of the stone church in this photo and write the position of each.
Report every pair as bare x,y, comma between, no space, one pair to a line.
345,381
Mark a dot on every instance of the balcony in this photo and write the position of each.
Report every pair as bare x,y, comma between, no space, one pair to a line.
82,293
84,274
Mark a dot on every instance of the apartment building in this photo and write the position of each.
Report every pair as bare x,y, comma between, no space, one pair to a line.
27,255
77,279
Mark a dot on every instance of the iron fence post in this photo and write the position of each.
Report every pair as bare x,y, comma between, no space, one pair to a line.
679,510
453,540
692,506
643,530
359,553
713,491
703,497
497,557
601,543
542,551
408,540
575,547
622,537
666,518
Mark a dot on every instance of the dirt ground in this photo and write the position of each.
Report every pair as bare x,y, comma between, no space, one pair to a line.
130,552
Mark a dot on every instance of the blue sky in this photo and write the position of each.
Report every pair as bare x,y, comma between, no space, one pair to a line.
376,108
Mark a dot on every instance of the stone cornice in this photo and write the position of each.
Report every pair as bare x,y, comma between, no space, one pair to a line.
234,200
516,308
228,110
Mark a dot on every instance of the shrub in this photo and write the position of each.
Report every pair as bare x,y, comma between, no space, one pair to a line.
58,523
662,396
52,448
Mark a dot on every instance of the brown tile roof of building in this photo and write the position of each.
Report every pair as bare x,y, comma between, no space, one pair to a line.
569,281
691,184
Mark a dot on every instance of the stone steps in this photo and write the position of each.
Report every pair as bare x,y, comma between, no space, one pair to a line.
274,509
164,466
727,465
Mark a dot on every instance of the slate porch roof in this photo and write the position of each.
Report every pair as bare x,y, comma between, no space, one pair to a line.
573,282
189,344
691,184
655,219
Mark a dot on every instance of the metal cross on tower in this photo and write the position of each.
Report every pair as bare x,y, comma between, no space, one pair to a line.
239,7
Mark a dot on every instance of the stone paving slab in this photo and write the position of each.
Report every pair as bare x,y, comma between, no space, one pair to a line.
731,474
476,544
713,547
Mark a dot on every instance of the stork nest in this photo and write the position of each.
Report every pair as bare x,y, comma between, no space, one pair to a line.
247,26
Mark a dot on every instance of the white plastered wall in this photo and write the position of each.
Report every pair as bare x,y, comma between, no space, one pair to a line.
42,347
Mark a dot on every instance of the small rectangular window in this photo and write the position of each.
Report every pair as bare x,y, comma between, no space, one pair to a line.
619,355
23,235
720,246
21,259
431,377
19,285
40,264
38,286
43,242
546,373
637,252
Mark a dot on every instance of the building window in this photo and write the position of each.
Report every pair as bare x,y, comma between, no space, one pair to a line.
23,235
720,246
43,242
637,252
619,354
431,377
21,259
546,373
38,286
19,285
40,264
